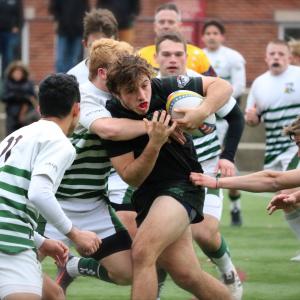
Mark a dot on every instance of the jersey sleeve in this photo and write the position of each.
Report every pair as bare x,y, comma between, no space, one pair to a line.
117,148
90,110
251,101
226,108
238,75
53,158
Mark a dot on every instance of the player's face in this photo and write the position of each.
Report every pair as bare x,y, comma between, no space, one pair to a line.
91,38
212,38
166,21
278,58
171,58
137,99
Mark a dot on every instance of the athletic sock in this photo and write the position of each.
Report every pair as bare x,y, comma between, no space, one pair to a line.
161,277
221,258
235,202
293,219
80,266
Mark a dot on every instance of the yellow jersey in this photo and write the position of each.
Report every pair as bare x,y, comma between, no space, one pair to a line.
196,60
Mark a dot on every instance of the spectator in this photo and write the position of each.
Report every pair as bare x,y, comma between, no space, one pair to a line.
18,96
125,12
295,51
69,17
11,22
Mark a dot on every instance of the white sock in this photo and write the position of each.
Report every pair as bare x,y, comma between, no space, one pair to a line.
224,263
293,219
236,204
72,266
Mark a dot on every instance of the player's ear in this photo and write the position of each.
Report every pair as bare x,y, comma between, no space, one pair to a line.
76,109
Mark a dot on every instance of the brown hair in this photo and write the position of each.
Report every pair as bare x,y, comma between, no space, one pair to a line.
295,47
293,128
125,72
17,65
100,21
104,52
172,36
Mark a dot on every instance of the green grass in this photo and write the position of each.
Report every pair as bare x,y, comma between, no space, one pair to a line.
262,248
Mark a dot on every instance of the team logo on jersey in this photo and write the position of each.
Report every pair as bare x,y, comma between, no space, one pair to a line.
182,81
289,88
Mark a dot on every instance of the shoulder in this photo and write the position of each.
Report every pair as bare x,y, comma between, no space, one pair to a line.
232,53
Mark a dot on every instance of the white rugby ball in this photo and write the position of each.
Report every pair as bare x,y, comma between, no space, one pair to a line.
189,99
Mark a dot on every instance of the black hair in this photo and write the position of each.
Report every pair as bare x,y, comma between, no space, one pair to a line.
215,23
57,95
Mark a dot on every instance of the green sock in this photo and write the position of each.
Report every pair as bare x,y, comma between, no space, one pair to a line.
235,201
87,267
221,258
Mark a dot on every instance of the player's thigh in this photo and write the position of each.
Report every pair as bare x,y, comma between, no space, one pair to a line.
166,221
119,262
20,274
179,259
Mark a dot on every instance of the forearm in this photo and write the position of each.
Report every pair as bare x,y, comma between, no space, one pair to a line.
136,172
235,120
118,129
41,195
217,94
263,181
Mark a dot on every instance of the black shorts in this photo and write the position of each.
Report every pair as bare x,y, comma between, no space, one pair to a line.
120,241
190,196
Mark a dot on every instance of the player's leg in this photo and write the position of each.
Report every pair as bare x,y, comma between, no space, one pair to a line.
51,290
116,243
157,232
208,237
235,207
181,262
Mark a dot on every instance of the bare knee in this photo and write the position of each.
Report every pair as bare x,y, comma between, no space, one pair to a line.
142,254
186,279
53,293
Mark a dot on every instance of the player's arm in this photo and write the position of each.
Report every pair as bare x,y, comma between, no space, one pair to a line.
252,116
117,129
263,181
95,117
216,91
238,77
134,171
235,120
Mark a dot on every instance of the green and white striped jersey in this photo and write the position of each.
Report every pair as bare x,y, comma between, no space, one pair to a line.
38,149
277,100
85,182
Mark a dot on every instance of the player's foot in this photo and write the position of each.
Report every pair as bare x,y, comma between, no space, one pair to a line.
236,218
234,284
63,278
296,258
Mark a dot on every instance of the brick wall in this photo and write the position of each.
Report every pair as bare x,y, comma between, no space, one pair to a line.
249,24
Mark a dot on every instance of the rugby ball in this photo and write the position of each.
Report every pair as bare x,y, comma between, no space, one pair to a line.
189,99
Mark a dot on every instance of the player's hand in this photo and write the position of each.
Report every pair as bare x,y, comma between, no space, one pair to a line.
192,118
251,116
86,242
178,136
159,128
203,180
225,167
281,201
55,249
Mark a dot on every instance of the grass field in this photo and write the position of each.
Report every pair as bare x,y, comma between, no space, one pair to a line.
261,248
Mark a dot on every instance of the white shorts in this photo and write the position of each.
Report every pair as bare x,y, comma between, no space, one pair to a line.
116,188
282,161
102,220
213,203
222,127
20,273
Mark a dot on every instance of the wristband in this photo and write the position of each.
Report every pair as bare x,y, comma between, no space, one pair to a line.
217,182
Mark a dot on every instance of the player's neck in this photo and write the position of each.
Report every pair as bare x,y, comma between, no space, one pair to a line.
64,123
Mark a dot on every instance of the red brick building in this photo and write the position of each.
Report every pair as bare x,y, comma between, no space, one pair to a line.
250,24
